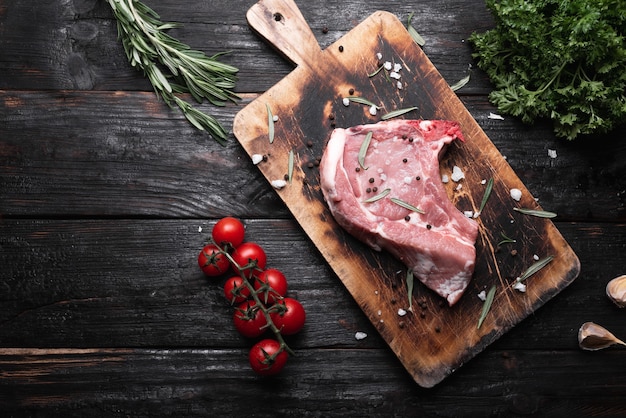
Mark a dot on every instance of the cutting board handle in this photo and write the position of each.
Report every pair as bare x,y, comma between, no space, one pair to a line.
282,25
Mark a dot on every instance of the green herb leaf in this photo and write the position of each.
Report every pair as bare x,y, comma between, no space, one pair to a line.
290,172
361,100
398,112
538,213
150,49
461,83
378,196
409,287
487,305
379,69
506,240
486,195
417,38
363,150
270,123
406,205
535,268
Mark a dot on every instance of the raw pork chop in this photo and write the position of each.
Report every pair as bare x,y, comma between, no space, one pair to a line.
402,160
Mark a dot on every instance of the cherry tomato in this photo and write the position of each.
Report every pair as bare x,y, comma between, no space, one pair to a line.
212,261
228,231
235,291
267,358
290,317
247,253
273,285
249,319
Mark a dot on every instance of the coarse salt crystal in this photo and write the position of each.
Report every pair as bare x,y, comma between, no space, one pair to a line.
256,158
401,312
397,67
346,101
199,229
399,85
536,257
373,110
482,295
495,116
457,174
458,187
469,213
388,65
275,118
516,194
395,75
552,153
360,335
408,180
519,286
379,56
483,181
278,184
379,312
444,178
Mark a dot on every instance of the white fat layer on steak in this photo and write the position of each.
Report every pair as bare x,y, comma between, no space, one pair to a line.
403,158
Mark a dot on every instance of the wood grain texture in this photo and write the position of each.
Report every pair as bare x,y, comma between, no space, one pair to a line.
432,347
103,190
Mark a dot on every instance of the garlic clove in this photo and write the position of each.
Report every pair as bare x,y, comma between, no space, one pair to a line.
592,336
616,291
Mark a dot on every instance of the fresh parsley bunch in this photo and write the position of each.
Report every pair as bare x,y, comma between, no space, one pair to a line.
558,59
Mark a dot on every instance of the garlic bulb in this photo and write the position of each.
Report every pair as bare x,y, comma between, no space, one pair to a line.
616,291
593,337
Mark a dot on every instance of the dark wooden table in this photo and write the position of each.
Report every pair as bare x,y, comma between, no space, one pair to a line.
107,195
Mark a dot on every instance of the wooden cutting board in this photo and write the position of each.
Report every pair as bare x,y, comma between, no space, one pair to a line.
432,340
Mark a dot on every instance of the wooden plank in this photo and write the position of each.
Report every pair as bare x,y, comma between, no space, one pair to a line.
127,154
78,48
430,347
100,283
207,382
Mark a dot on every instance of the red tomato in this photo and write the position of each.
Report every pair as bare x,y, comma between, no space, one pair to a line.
228,231
273,285
235,291
249,319
267,358
249,255
212,261
290,317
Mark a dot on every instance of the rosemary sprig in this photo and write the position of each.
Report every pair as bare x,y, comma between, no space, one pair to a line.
149,48
486,305
363,149
378,196
537,213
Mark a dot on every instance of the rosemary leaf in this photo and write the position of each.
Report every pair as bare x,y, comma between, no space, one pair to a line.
398,112
378,196
409,287
376,72
270,123
506,240
406,205
488,190
535,268
172,67
361,100
487,305
461,83
363,150
538,213
290,172
417,38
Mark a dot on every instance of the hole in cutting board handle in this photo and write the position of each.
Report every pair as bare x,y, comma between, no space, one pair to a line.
282,24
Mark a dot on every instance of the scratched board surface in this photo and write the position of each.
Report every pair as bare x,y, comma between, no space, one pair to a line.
432,339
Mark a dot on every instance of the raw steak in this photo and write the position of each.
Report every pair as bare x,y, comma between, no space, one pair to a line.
402,160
